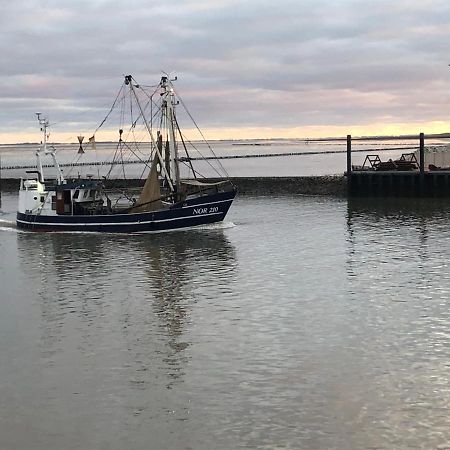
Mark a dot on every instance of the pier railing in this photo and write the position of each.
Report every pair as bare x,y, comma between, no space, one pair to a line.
404,177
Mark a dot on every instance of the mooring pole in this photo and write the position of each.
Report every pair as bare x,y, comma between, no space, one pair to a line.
0,181
422,153
421,164
349,154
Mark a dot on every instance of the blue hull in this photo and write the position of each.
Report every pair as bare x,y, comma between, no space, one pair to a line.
199,211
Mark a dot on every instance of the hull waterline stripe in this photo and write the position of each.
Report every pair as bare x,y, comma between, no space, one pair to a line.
135,214
144,222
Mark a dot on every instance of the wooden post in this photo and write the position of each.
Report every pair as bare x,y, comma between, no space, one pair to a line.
422,153
349,154
350,181
422,165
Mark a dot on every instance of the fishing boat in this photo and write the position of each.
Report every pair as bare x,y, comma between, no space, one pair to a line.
167,200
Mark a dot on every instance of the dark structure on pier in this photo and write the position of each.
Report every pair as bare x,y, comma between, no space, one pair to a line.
405,177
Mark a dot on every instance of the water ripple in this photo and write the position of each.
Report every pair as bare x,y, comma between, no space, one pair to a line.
308,323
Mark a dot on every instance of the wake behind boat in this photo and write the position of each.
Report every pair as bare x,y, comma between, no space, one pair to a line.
166,201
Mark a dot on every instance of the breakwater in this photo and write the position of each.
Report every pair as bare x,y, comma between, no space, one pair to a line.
312,185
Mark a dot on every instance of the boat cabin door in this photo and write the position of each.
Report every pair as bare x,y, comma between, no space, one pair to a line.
63,202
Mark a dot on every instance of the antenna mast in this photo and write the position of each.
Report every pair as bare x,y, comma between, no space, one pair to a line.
169,103
44,123
129,81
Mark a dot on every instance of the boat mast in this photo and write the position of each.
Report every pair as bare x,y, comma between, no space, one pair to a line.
44,123
128,81
169,103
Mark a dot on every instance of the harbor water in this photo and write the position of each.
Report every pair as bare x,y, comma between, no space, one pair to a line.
293,158
299,323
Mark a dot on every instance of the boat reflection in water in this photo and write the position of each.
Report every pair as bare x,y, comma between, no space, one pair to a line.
126,305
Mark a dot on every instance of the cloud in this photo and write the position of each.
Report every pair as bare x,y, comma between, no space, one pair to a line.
240,64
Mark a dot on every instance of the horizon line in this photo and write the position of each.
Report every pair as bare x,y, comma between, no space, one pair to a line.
445,135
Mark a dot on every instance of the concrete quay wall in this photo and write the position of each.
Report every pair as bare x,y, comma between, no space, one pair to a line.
318,185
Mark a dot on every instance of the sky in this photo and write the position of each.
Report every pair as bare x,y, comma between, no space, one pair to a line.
246,69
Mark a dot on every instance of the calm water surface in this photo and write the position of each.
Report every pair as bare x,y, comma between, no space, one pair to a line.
300,323
317,163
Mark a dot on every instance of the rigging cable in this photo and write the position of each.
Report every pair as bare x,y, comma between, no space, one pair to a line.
207,160
185,148
200,131
111,109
